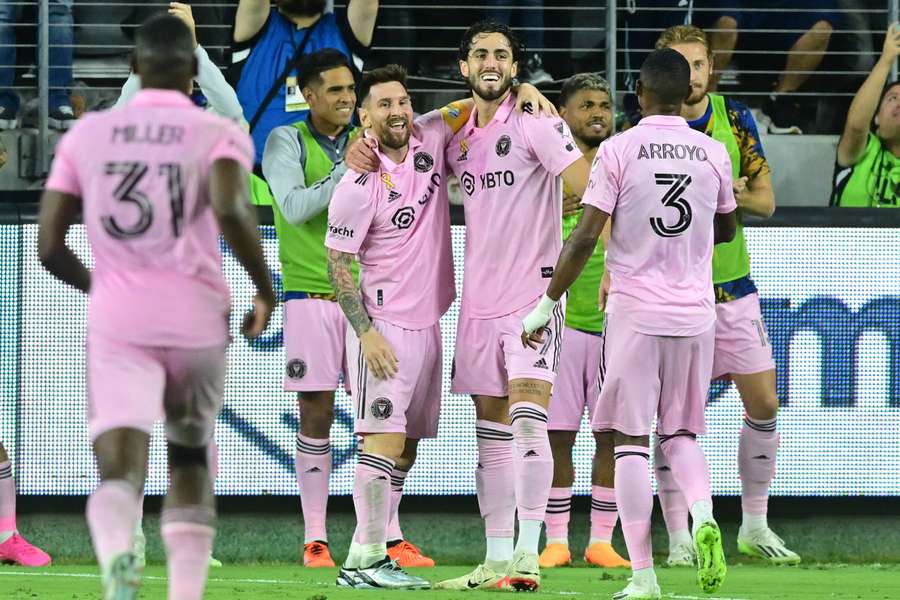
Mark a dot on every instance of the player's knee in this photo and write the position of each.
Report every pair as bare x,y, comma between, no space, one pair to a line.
621,439
762,406
389,445
561,443
316,417
191,433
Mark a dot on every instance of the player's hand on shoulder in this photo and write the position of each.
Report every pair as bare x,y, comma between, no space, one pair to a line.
380,356
360,155
528,97
257,318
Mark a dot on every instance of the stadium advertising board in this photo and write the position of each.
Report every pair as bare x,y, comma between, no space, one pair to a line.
831,299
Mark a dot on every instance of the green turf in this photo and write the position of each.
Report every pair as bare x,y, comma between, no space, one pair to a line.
853,558
748,582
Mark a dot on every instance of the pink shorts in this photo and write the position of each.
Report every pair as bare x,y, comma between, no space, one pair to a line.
314,334
410,401
742,343
578,381
489,352
649,375
134,386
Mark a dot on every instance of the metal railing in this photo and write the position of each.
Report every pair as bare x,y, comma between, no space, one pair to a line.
577,35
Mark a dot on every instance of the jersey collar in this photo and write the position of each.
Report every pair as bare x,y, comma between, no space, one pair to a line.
501,116
159,97
390,165
664,121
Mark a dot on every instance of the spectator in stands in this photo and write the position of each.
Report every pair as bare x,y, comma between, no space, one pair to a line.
61,38
531,23
816,19
268,43
867,169
217,95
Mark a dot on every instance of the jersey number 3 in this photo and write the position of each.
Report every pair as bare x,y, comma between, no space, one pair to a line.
677,183
130,176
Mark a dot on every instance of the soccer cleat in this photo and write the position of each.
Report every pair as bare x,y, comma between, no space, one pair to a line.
18,551
710,557
347,578
639,591
602,554
387,573
482,578
681,555
139,546
214,562
316,555
123,579
523,573
764,544
555,555
408,555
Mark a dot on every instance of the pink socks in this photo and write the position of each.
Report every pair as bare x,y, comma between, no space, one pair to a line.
313,466
634,498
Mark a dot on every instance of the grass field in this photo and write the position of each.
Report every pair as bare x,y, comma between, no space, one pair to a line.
856,557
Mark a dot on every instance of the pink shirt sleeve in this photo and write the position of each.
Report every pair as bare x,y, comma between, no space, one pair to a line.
350,214
63,173
433,123
551,141
235,144
603,185
725,202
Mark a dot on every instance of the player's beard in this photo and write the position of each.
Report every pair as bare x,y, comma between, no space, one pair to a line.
393,140
489,95
587,136
302,8
697,95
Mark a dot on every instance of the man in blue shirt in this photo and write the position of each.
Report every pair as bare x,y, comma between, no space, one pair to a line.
266,38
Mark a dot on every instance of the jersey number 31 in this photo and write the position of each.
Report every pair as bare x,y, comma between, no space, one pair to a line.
677,183
130,175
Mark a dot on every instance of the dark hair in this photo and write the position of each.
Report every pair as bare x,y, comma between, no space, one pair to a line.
313,65
584,81
163,35
483,27
383,74
667,75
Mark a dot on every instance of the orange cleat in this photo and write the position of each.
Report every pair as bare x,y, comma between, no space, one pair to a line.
555,555
604,555
408,555
316,555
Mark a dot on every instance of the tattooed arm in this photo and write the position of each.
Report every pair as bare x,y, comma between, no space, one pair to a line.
380,356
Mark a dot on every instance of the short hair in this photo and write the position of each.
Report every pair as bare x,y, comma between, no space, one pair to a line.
584,81
163,40
384,74
667,75
313,65
484,27
684,34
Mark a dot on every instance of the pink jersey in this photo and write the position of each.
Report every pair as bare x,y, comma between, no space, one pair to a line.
397,221
508,173
662,182
142,174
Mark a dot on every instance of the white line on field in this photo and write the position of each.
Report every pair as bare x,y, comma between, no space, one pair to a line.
294,582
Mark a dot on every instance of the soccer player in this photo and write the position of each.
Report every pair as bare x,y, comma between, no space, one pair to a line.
13,547
587,107
397,220
742,353
508,165
303,164
669,192
162,178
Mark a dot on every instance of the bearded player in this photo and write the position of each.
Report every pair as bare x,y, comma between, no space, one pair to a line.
586,106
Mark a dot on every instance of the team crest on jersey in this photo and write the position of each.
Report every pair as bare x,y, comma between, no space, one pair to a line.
386,178
404,217
468,182
504,144
463,151
296,368
423,162
382,408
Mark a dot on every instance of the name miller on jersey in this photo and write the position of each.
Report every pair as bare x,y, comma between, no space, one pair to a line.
672,152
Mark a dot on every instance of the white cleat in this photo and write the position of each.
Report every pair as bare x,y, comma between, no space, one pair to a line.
523,573
347,578
681,555
123,579
764,544
644,590
482,578
387,573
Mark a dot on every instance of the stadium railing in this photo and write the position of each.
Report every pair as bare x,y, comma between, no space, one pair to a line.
608,36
